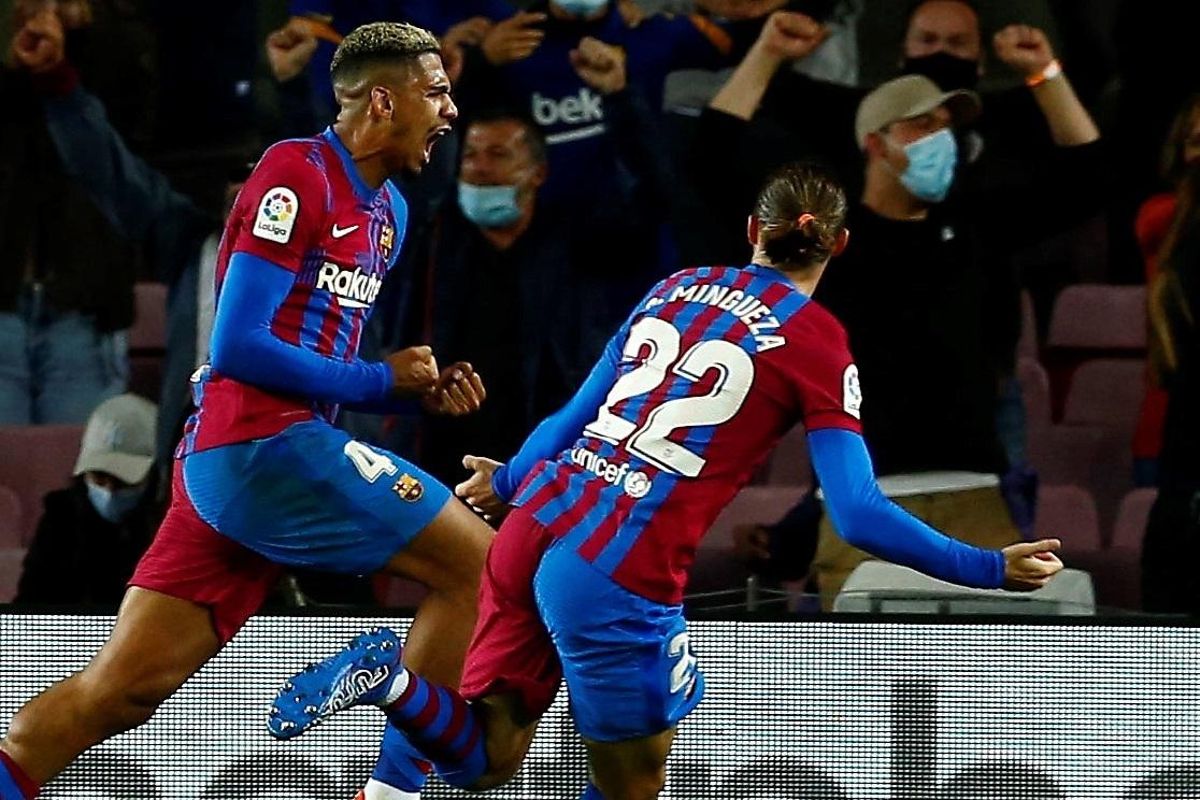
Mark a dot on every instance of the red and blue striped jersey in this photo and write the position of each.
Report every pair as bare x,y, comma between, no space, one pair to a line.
304,208
703,379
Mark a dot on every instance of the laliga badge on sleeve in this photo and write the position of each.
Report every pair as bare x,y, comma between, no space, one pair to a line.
851,392
276,215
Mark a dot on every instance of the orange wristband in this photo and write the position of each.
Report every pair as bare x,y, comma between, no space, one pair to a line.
1048,73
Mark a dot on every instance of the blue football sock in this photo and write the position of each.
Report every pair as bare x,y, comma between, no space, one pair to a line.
443,726
400,764
14,783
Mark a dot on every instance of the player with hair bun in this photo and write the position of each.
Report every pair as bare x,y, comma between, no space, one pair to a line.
610,496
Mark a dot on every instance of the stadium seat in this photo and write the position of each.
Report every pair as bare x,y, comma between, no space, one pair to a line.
149,331
1065,453
716,568
1099,317
46,458
1035,393
1134,511
148,339
1106,392
11,532
1097,458
882,587
1092,321
788,464
1068,513
11,561
1118,573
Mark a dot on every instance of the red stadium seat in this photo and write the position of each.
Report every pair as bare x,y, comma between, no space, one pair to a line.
1092,321
1068,513
1099,317
149,331
1130,526
148,339
1035,393
37,459
1106,392
11,561
11,532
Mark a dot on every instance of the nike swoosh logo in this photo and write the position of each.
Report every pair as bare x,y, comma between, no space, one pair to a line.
340,232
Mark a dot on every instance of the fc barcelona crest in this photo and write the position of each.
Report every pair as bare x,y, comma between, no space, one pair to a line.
387,240
409,488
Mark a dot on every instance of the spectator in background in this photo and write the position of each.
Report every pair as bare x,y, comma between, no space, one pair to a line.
1172,541
943,41
66,280
509,272
1180,153
924,289
526,59
92,533
142,206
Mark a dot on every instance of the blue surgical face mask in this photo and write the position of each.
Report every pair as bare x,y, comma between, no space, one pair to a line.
931,162
581,8
489,206
114,504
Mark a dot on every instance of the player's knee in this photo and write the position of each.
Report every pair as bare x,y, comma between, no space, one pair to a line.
118,703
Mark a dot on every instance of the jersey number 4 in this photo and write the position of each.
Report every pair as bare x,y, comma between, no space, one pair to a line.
735,375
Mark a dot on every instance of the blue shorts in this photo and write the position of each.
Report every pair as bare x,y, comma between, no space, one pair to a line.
313,497
627,660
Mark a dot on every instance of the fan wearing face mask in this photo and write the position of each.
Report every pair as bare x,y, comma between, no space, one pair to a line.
92,533
1016,128
927,292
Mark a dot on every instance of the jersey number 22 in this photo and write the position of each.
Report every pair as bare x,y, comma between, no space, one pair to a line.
735,375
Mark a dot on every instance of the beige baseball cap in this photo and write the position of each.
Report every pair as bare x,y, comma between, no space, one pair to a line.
119,438
911,96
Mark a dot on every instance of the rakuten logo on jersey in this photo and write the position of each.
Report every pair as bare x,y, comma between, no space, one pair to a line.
353,288
635,484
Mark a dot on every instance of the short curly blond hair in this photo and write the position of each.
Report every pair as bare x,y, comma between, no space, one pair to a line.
378,42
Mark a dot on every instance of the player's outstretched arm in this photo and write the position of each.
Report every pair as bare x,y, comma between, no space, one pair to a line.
871,522
244,347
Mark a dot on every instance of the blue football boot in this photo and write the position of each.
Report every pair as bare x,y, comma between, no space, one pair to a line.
359,674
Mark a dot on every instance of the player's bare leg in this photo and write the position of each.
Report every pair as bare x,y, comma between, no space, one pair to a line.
447,556
632,770
158,642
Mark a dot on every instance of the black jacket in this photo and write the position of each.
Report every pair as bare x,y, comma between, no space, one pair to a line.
77,556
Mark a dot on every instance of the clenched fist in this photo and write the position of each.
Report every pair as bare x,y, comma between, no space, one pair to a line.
1024,48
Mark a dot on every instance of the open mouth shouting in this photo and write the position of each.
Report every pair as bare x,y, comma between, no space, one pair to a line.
432,139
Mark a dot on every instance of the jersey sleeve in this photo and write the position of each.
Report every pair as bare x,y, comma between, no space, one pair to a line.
282,207
824,373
